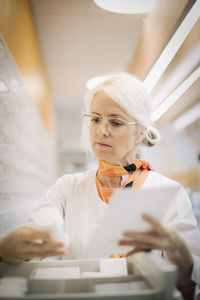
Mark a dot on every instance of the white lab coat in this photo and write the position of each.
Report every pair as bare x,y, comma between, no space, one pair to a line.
76,196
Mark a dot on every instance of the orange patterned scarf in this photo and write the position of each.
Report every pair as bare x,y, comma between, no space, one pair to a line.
110,170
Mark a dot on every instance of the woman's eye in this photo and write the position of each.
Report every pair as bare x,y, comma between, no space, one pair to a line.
116,123
95,120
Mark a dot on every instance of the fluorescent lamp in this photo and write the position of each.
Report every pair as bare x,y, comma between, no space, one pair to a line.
92,82
169,101
127,6
187,118
179,73
172,47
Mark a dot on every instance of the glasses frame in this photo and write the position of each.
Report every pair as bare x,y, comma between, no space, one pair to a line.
101,118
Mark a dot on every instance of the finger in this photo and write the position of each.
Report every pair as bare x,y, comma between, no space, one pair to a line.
16,257
42,248
134,234
157,226
152,242
126,242
148,238
134,251
58,252
138,244
31,233
46,243
54,253
11,260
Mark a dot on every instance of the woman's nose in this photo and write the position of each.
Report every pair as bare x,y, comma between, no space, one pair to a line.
103,129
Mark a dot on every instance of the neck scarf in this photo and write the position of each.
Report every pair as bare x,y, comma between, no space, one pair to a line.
110,170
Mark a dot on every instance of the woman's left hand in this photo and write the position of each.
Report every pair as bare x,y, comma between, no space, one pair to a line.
169,241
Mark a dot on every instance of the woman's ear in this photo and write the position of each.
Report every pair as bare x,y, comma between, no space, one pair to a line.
140,136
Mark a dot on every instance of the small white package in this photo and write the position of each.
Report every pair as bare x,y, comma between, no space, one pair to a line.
57,273
113,267
13,286
50,219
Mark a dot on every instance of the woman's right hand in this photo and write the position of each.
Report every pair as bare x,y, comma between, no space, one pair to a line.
26,243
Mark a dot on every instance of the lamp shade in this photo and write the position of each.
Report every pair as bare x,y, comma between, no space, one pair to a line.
127,6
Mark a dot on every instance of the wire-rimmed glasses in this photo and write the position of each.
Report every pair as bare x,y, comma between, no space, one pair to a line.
115,124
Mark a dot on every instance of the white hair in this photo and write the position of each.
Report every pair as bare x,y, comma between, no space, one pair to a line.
131,95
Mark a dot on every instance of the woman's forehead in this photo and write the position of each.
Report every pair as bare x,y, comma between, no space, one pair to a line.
104,105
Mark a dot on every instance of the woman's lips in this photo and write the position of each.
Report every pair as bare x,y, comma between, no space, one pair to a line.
101,145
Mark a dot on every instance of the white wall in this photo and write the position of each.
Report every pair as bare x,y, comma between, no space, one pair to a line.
175,152
68,126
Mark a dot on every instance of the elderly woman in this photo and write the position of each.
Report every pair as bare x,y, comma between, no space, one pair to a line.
117,120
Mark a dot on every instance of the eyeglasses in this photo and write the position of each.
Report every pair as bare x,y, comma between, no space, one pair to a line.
114,124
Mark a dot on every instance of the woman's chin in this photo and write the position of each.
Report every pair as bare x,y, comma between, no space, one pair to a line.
103,155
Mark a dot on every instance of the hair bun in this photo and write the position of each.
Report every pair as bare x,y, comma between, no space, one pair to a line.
152,136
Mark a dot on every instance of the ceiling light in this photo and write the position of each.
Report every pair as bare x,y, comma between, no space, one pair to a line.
127,6
172,47
187,118
169,101
178,75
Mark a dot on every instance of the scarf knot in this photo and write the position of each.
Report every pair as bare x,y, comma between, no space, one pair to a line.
111,170
130,168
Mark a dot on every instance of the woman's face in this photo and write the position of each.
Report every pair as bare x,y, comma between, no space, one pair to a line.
114,145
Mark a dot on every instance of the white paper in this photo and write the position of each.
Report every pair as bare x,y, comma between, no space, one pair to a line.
124,213
57,273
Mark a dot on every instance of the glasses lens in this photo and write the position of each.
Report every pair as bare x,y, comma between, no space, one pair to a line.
92,121
95,121
116,125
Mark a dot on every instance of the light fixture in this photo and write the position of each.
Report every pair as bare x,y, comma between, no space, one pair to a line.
177,75
187,118
169,101
127,6
172,47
